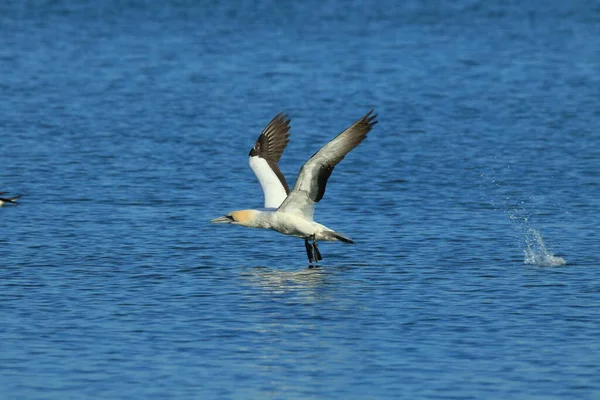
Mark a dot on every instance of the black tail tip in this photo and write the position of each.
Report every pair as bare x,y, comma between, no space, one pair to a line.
343,239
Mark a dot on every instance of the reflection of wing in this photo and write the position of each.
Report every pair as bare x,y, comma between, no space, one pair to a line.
312,179
265,155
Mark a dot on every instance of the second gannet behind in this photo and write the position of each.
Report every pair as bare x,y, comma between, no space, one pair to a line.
9,200
291,212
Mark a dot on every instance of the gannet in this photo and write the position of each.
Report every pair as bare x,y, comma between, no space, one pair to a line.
8,199
291,212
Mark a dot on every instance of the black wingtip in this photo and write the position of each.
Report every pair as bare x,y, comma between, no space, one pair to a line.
11,199
370,119
279,123
281,118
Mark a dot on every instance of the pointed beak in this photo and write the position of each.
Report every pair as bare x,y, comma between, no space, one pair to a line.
222,220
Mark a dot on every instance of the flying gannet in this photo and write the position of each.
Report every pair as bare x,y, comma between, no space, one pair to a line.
291,212
11,200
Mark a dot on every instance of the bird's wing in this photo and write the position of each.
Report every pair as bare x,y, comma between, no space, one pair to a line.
10,199
265,155
312,179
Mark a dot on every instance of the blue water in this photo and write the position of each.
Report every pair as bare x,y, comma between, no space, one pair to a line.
126,126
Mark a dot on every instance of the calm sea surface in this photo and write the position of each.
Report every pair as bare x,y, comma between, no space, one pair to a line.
126,127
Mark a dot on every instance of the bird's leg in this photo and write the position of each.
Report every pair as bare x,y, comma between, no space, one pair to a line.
309,251
317,252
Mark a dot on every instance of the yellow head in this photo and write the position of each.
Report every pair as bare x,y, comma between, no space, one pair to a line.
241,217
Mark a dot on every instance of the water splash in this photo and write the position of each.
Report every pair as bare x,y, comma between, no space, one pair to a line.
536,252
522,210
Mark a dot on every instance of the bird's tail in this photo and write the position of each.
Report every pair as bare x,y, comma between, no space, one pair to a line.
342,238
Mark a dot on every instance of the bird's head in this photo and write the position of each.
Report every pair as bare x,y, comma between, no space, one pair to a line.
241,217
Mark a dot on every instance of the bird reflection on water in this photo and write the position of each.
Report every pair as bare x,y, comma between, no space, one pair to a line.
276,280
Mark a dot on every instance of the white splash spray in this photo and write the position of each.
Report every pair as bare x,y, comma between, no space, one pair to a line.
519,212
536,252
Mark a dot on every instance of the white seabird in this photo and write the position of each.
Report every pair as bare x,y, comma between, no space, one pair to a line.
291,213
11,200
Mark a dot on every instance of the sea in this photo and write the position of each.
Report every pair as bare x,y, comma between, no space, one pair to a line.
474,202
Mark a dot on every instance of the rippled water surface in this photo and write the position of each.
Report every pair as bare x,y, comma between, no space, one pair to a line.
126,127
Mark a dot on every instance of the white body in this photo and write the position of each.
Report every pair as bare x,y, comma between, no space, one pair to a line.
293,225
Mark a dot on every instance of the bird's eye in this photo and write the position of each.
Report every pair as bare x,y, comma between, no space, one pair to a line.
230,217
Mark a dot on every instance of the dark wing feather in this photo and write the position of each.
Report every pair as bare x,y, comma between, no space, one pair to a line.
271,143
313,176
10,199
273,139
